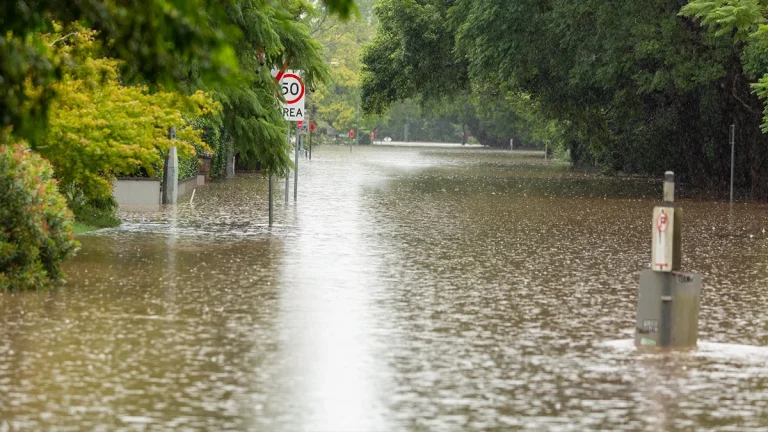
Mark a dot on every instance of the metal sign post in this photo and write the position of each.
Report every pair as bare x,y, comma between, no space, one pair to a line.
733,153
668,299
296,167
288,171
271,198
292,87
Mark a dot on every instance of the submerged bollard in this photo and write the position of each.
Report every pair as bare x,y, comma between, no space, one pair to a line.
668,299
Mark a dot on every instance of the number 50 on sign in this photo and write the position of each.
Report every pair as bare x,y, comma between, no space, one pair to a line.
292,88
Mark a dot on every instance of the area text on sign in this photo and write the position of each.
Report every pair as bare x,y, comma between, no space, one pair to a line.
292,88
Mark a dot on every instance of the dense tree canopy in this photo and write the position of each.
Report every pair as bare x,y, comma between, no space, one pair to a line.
225,46
415,55
632,86
100,127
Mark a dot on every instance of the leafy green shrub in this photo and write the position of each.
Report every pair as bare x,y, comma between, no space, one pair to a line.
35,223
100,212
221,145
188,166
210,129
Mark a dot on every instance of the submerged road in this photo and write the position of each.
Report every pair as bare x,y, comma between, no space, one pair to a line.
408,289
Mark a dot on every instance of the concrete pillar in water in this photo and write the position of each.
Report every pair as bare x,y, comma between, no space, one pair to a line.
171,173
668,299
230,166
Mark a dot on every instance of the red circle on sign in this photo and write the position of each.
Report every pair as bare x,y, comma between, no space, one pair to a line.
662,222
301,87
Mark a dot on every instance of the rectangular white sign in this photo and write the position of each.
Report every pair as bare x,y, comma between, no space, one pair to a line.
291,85
662,246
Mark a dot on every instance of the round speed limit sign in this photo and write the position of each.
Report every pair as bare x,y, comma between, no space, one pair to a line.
292,87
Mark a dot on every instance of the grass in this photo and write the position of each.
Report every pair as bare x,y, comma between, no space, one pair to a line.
81,228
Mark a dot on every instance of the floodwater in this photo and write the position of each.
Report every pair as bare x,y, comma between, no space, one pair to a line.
409,289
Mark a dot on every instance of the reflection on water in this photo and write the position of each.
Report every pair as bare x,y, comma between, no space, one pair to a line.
409,289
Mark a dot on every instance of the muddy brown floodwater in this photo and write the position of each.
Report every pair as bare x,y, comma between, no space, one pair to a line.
409,289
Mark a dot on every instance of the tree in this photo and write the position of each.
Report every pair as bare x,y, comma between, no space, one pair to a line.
156,38
104,124
176,44
100,127
627,86
337,101
415,56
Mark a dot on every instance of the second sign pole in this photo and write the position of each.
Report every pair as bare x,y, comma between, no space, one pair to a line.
296,167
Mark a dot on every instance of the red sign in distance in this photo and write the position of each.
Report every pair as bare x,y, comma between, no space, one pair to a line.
300,124
351,133
312,126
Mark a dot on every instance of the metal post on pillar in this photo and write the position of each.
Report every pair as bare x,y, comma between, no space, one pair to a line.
171,172
668,299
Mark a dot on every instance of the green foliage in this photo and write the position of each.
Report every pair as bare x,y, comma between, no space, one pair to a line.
274,35
732,18
743,21
629,85
173,44
213,134
405,61
97,212
156,38
35,224
100,127
93,86
335,103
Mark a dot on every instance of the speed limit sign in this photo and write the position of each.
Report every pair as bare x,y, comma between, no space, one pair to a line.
292,88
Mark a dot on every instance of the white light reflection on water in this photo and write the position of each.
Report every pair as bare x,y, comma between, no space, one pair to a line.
328,343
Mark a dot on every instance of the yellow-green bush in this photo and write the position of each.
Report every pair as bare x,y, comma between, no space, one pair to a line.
35,223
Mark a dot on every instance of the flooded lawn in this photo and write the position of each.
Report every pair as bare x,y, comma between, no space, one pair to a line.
409,289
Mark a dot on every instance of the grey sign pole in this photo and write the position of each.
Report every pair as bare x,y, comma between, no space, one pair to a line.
288,171
271,198
733,154
668,299
299,138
